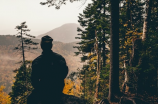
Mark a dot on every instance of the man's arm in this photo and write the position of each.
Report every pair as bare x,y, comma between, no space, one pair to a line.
64,67
35,79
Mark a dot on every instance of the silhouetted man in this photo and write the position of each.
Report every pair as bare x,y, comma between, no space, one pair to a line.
48,73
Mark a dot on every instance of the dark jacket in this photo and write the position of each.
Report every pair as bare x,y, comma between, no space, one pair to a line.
48,73
48,70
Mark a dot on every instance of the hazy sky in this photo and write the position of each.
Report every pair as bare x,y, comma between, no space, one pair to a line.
40,19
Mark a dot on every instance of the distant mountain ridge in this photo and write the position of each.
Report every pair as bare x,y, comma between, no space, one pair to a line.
7,40
65,33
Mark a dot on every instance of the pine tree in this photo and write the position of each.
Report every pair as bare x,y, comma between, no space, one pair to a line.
22,85
131,20
21,88
25,40
95,23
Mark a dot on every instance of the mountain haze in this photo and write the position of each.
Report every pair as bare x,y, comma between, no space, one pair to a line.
9,57
65,33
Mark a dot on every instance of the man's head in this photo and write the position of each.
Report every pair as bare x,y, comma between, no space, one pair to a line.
46,43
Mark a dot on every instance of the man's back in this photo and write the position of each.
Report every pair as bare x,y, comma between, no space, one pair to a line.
48,73
48,68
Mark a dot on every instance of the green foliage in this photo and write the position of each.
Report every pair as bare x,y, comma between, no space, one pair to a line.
131,22
95,25
88,84
22,85
92,20
147,73
104,82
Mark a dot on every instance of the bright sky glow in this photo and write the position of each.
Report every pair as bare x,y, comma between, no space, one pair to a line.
40,19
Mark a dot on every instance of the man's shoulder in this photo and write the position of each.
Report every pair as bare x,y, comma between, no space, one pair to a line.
37,59
58,56
70,99
54,55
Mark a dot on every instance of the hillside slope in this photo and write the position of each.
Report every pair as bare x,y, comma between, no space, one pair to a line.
65,33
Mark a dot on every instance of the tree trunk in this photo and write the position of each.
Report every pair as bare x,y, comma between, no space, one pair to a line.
146,20
104,56
157,79
135,59
135,56
125,87
22,48
84,84
98,76
98,69
114,52
143,61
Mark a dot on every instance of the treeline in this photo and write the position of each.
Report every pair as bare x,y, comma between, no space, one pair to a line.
138,28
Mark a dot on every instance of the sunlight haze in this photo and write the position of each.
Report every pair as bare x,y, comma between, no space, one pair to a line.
40,19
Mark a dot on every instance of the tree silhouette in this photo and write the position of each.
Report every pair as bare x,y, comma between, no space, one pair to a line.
22,79
21,88
25,39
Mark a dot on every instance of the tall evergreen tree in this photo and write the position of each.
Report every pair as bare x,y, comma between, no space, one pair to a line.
22,86
114,52
21,89
95,27
25,40
131,20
